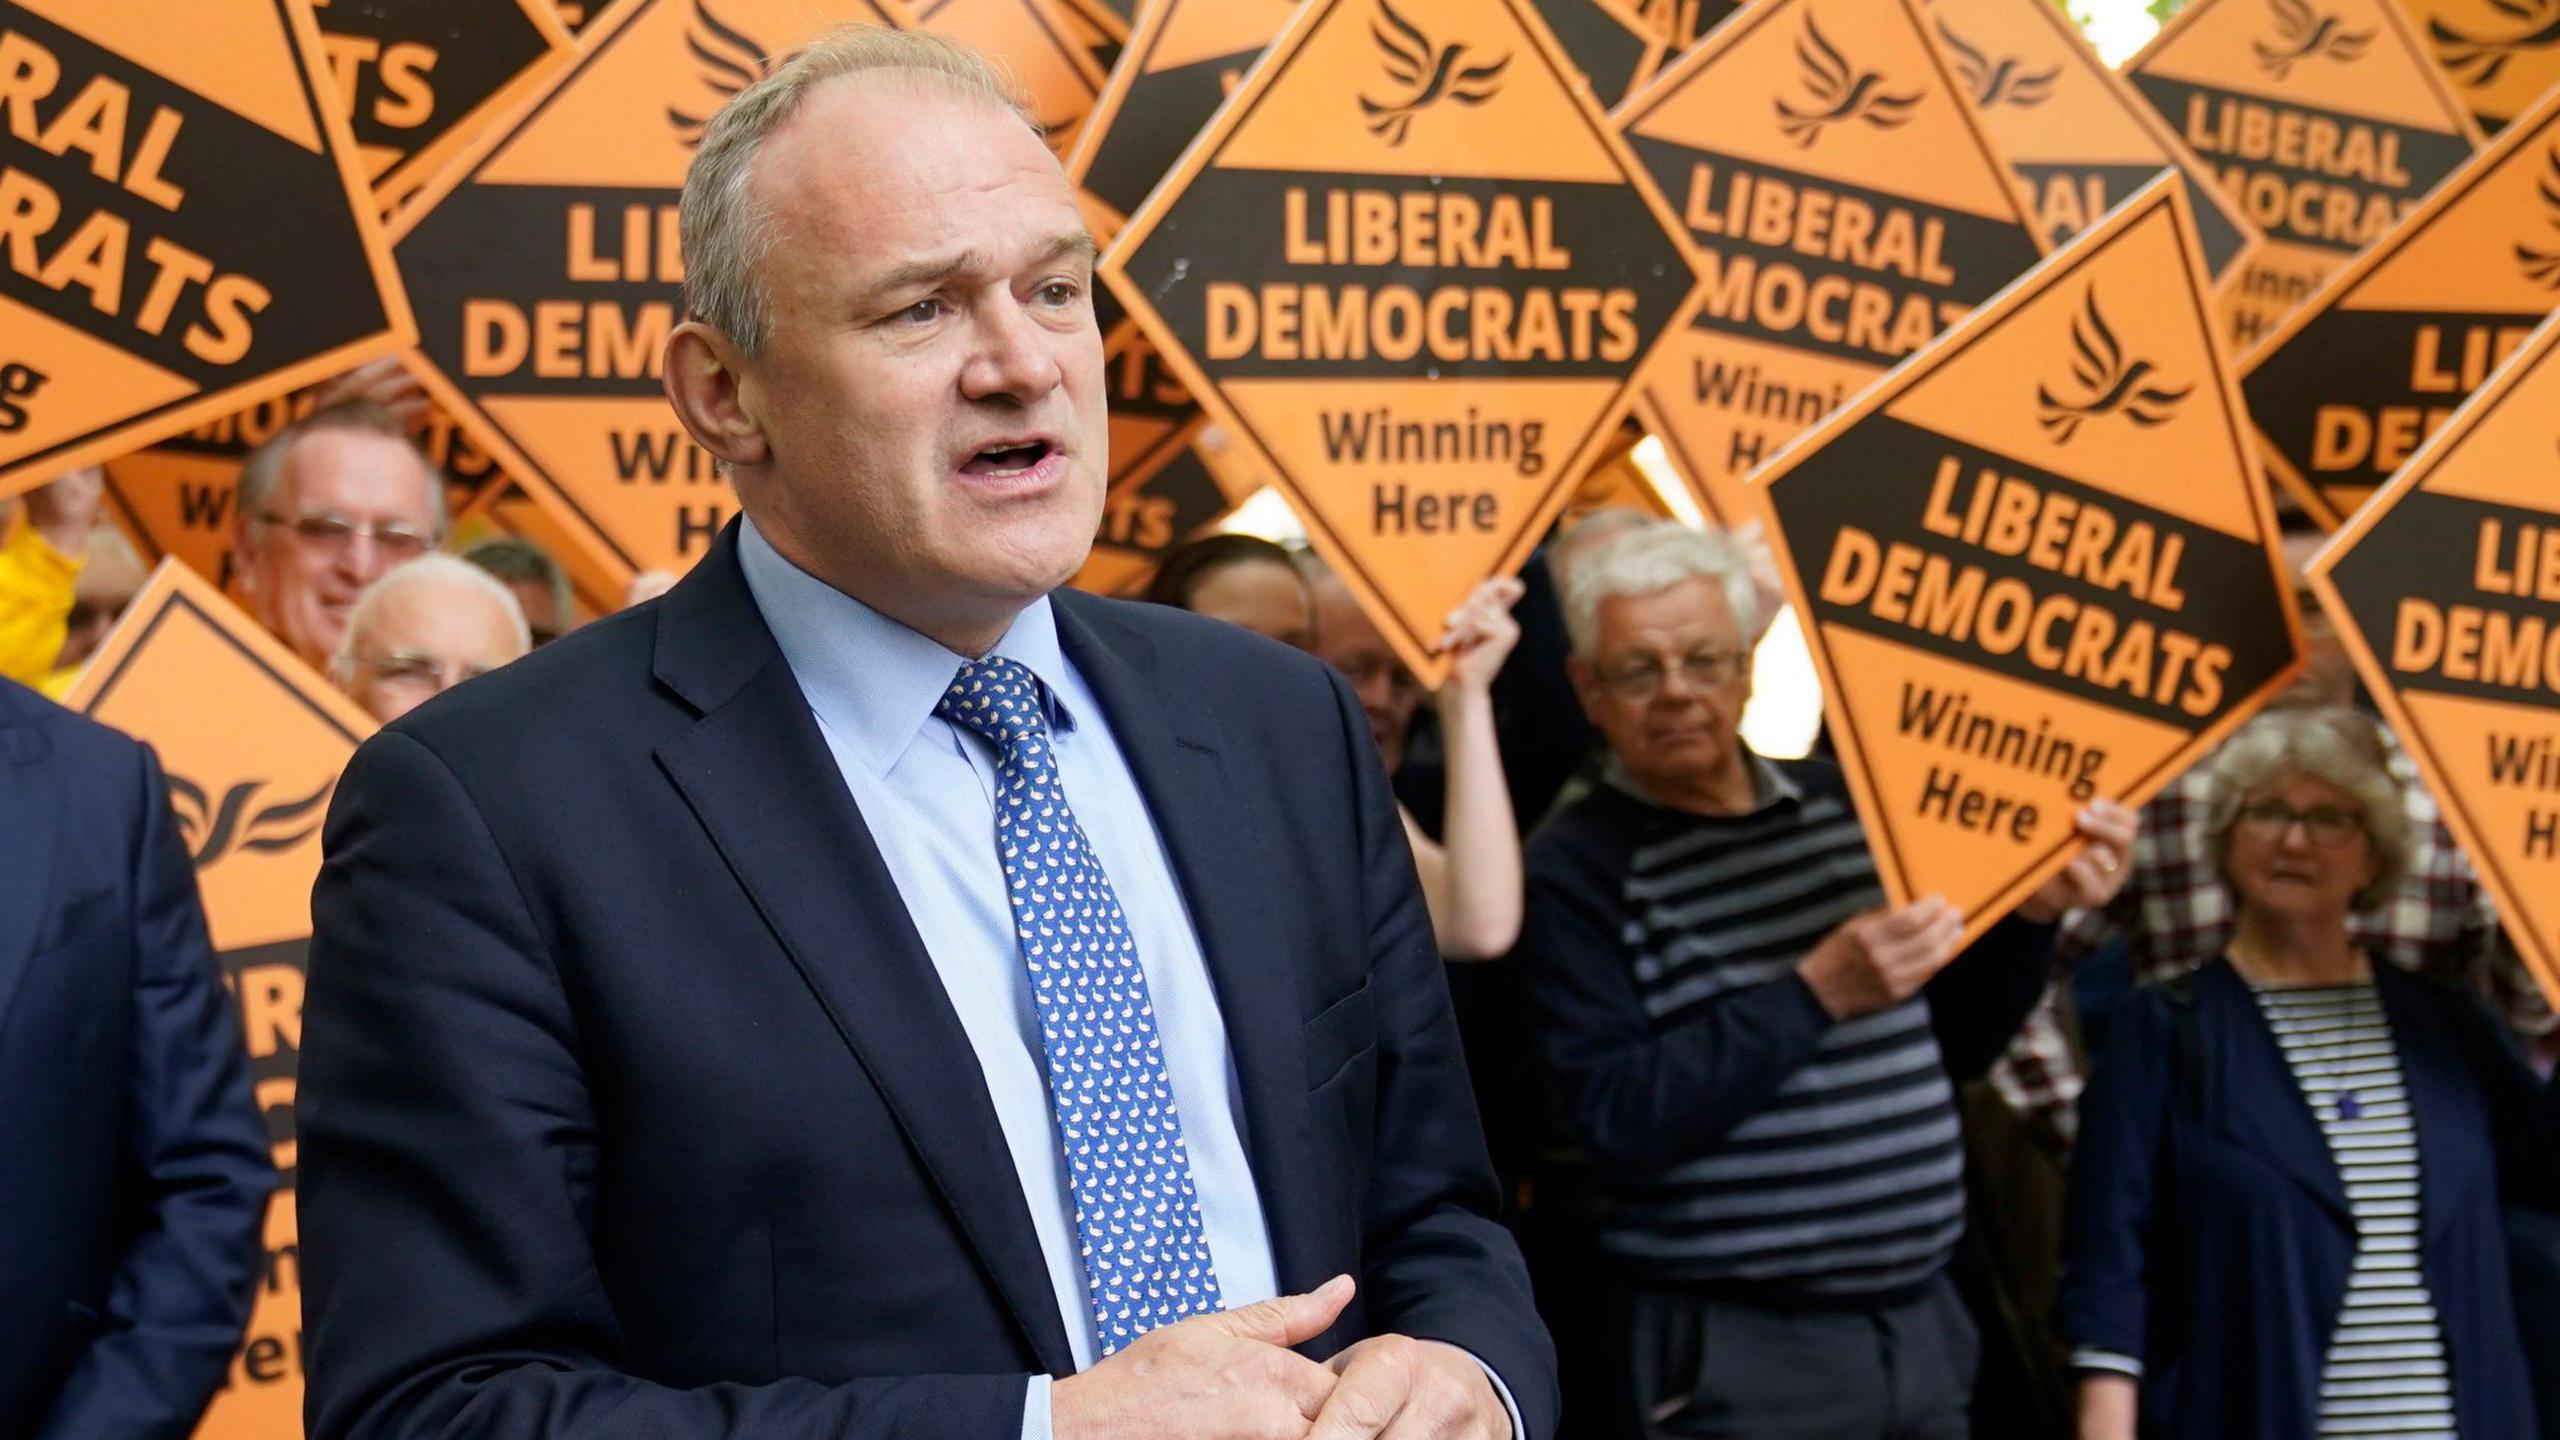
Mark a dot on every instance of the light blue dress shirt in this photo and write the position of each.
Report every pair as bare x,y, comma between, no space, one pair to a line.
927,788
927,792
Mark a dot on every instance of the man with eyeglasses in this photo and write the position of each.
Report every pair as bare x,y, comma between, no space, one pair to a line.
1755,1054
423,629
326,507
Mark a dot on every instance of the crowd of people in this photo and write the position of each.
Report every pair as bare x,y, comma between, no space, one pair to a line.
1595,1009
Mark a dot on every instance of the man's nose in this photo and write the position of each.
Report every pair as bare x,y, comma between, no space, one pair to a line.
1014,358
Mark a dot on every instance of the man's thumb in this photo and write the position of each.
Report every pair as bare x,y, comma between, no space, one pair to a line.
1286,1320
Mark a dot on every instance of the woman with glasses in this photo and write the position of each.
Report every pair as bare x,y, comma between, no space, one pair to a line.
2286,1213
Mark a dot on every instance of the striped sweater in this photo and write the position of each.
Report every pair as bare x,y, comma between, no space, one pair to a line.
1739,1137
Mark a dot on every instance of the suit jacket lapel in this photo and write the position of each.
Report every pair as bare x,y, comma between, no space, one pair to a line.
759,777
1176,749
2263,1109
28,836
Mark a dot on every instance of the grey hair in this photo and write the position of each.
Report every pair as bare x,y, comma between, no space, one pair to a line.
426,569
2327,743
725,233
264,469
1657,555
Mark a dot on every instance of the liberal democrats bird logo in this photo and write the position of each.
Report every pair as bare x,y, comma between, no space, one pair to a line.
2306,34
2542,267
1839,94
212,830
1436,73
728,61
2113,384
2005,81
2476,60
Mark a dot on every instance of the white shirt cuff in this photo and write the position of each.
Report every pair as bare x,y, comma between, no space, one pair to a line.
2090,1358
1035,1409
1518,1430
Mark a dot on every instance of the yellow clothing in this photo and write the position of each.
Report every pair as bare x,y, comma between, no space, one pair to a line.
36,587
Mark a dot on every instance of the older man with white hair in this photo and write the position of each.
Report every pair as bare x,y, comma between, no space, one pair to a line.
423,629
1753,1050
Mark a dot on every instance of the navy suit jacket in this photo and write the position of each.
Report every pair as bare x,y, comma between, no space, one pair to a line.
2209,1234
631,1103
134,1168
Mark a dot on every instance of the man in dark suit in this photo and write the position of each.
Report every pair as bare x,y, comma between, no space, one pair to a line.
134,1168
865,993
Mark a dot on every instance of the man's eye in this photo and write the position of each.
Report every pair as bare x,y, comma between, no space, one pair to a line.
929,308
1061,292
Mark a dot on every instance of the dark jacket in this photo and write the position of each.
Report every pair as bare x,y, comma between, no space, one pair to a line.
134,1168
632,1103
2209,1235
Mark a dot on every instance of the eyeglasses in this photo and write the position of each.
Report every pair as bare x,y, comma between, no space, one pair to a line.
2328,826
1640,679
330,530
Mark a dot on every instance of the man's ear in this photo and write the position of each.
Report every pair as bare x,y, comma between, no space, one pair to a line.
1586,686
704,380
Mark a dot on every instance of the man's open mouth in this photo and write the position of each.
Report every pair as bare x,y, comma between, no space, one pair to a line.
1009,459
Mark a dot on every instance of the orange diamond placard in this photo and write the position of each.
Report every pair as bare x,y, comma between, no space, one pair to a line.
2447,589
2501,55
2347,387
149,151
1410,269
253,743
2037,564
2324,122
1845,205
2074,131
417,78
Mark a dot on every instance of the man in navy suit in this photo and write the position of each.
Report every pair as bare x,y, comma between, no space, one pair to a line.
872,992
134,1168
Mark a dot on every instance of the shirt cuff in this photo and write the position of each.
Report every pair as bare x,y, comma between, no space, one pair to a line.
2090,1358
1518,1431
1035,1409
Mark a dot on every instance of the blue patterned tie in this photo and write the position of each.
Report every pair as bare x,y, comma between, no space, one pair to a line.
1146,1260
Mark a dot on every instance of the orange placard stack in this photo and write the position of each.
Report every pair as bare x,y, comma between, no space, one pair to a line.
2074,131
2037,564
149,286
2324,122
2447,592
253,744
1409,269
1846,207
2347,387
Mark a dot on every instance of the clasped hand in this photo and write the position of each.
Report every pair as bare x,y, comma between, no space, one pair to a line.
1232,1376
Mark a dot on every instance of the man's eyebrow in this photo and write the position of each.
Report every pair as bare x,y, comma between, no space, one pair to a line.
931,271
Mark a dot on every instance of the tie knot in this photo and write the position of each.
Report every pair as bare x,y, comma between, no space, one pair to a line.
996,697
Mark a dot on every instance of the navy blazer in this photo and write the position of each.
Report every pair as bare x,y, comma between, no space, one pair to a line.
2208,1231
631,1102
134,1168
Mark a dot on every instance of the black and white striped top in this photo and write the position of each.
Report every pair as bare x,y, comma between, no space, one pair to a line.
1848,1181
2385,1372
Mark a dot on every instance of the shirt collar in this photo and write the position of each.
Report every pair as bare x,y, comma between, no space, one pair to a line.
1769,784
870,680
